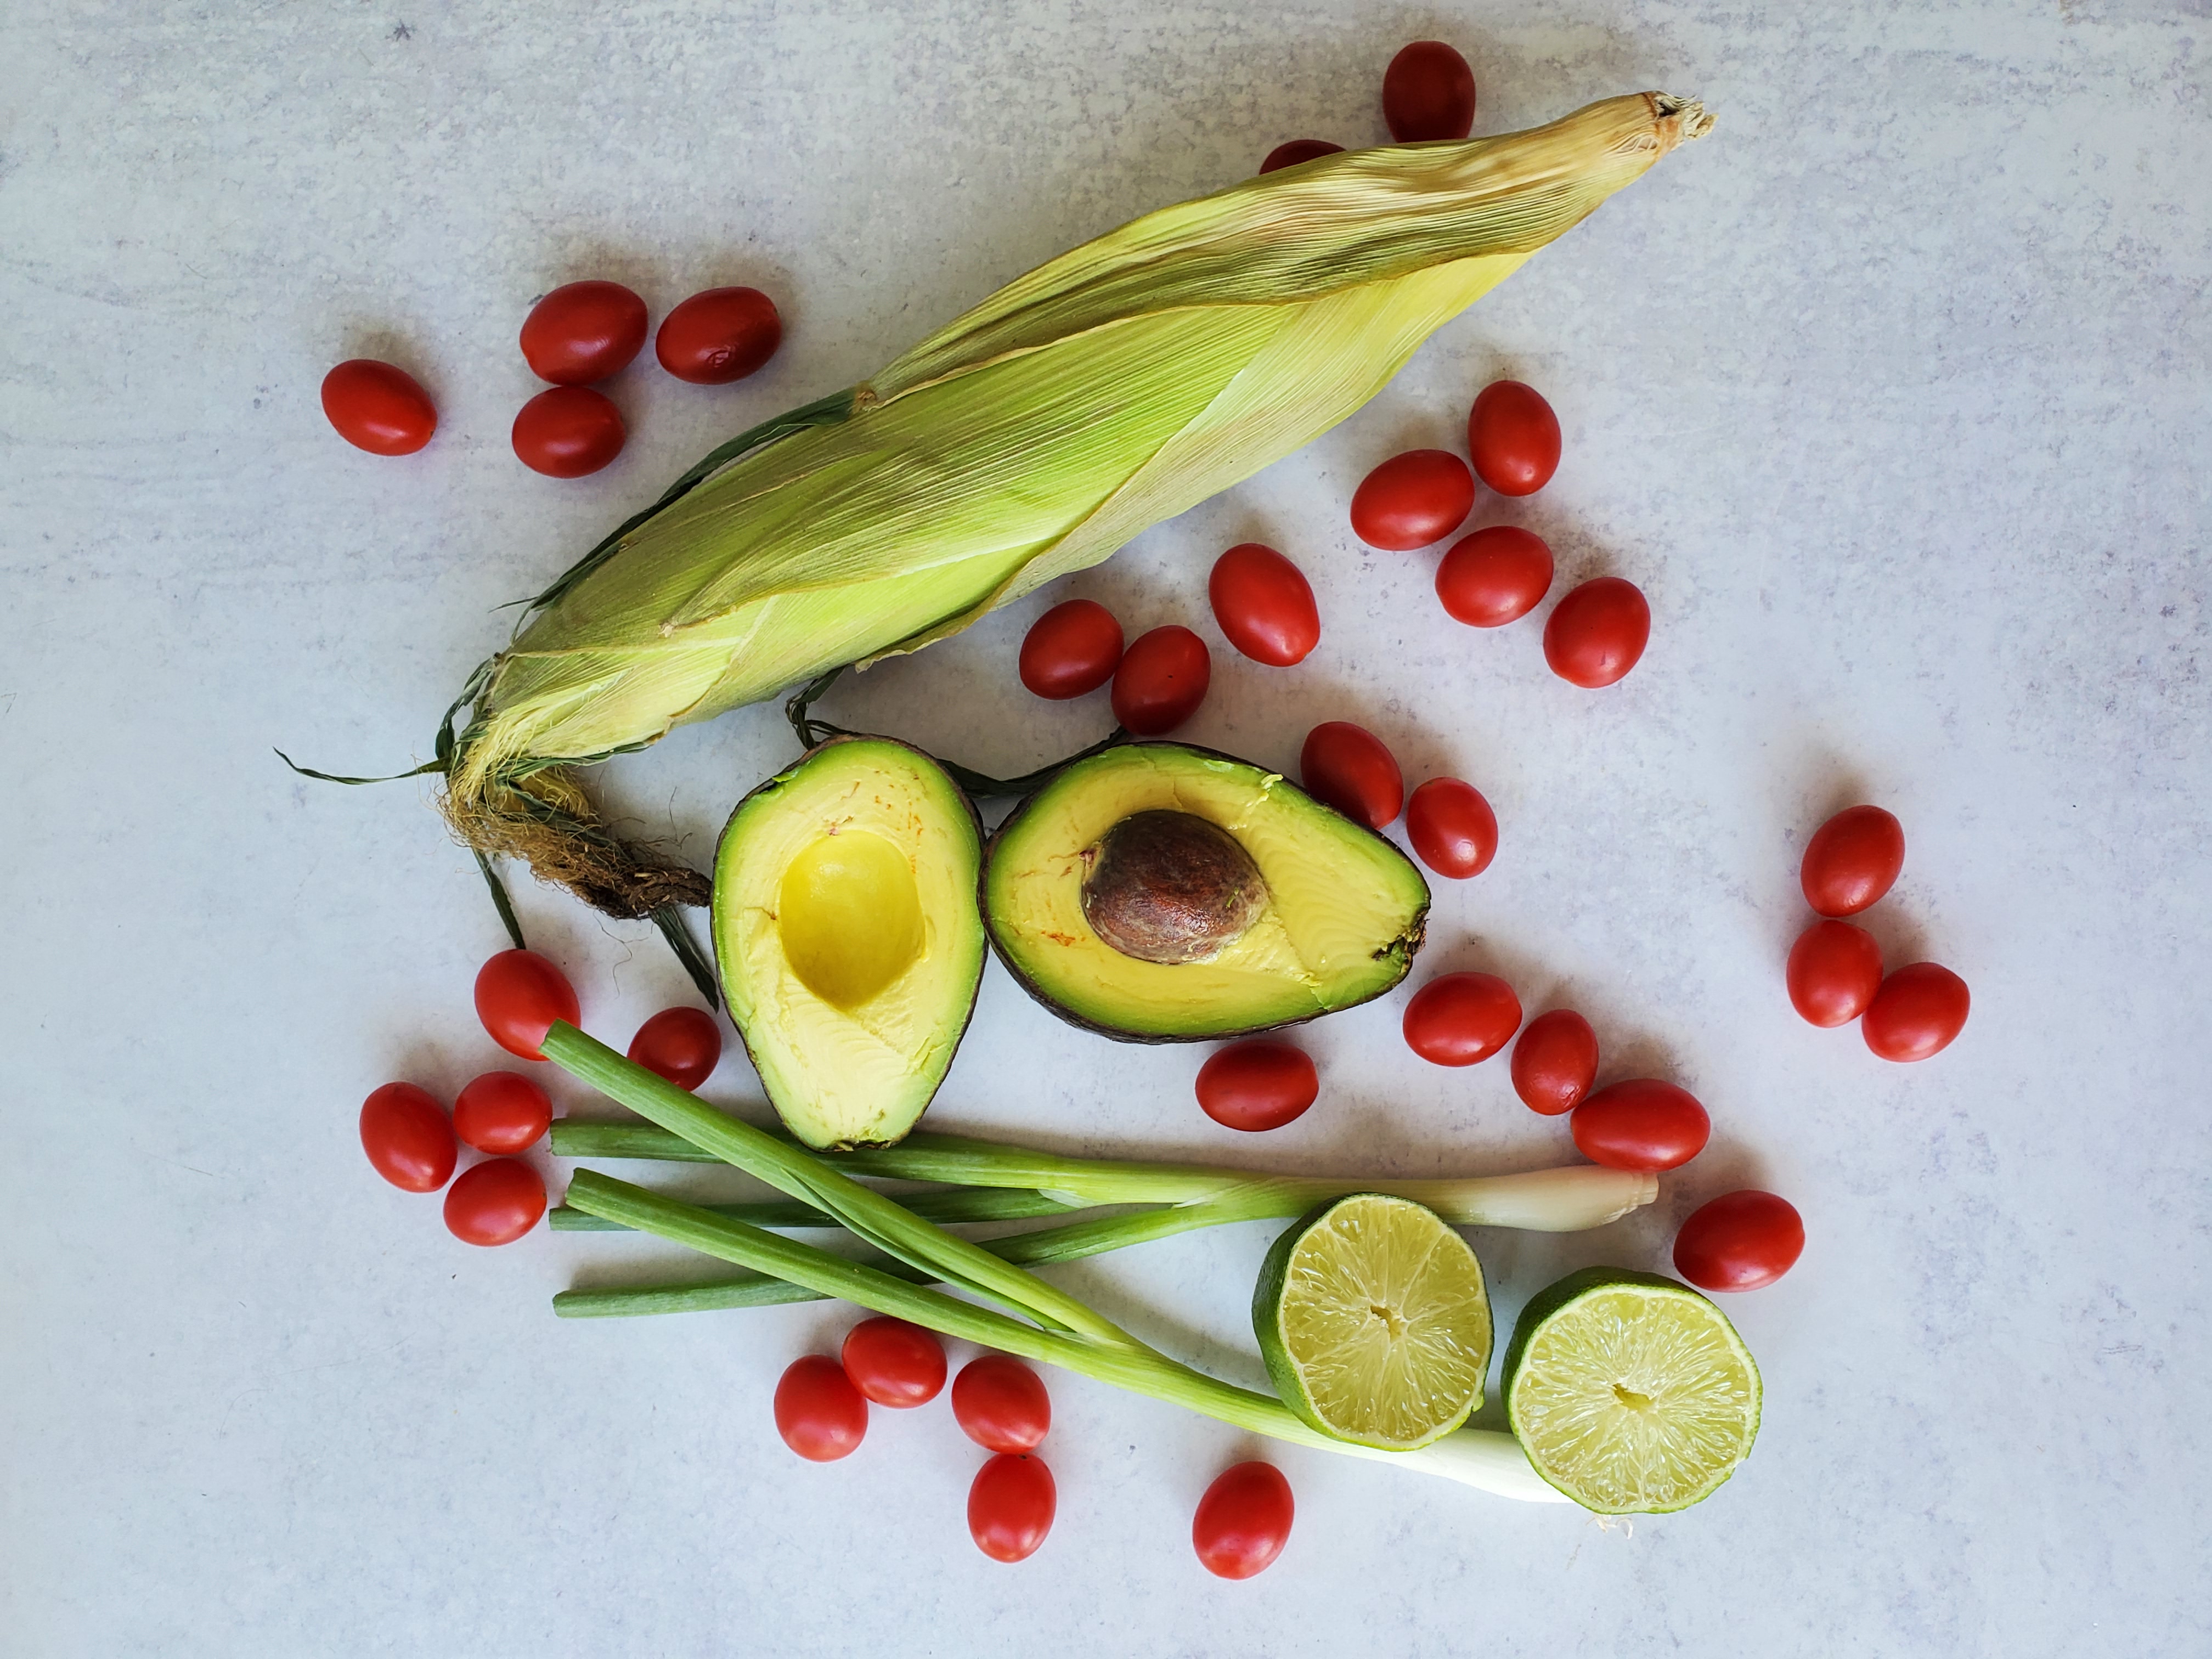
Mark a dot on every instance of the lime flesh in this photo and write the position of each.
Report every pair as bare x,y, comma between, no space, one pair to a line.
1375,1323
1631,1394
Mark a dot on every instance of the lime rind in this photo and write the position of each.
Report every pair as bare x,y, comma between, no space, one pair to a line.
1375,1323
1630,1393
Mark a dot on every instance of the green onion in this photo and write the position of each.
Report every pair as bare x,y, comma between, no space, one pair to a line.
1567,1199
978,1204
1073,1335
1476,1457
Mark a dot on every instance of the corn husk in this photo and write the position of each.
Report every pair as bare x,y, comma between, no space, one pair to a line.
1105,390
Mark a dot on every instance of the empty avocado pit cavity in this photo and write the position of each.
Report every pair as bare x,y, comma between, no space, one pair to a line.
850,917
1170,887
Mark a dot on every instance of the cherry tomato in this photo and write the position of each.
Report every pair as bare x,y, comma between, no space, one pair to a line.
1739,1242
1264,604
1297,150
1452,827
1428,92
1073,649
1513,438
495,1202
1834,970
1555,1062
1009,1507
1457,1019
378,407
583,331
519,996
1918,1010
407,1137
1852,860
1161,681
1000,1404
1596,635
1641,1124
1243,1520
893,1363
719,336
818,1411
684,1045
1495,576
1260,1084
1346,766
501,1112
1412,499
568,433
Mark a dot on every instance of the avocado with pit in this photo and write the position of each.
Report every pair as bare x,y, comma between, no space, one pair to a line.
847,936
1159,893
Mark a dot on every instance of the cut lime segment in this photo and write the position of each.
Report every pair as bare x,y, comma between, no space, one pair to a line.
1374,1322
1631,1394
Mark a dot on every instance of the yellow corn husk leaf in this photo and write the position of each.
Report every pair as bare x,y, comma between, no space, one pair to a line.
1105,390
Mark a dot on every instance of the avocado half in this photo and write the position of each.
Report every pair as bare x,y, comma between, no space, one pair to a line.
847,936
1340,921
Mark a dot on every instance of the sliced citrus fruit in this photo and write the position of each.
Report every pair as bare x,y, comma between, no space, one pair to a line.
1630,1393
1374,1322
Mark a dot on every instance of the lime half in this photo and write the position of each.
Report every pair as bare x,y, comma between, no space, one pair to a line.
1373,1318
1631,1394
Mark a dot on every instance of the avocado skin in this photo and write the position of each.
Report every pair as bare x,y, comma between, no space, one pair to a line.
722,970
1408,941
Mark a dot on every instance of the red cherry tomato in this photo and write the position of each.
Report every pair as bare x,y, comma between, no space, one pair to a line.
684,1045
1513,438
1243,1520
1452,827
1641,1124
818,1411
1297,150
1739,1242
569,432
501,1112
1555,1062
1428,92
1457,1019
1918,1010
893,1363
1073,649
719,336
1834,970
378,407
1161,681
1495,576
519,996
1260,1084
495,1202
1412,499
1596,635
407,1137
1852,860
1264,604
1009,1507
583,331
1000,1404
1346,766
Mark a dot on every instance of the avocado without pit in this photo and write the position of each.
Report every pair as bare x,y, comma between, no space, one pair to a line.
1157,892
847,936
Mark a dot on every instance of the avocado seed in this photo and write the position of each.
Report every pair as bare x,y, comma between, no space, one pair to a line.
1170,887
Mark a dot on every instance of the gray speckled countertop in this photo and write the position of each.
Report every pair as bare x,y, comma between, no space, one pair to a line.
1892,395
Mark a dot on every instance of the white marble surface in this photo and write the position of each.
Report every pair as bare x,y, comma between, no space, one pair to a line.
1892,395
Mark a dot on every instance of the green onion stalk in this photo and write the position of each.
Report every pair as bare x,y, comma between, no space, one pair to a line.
1053,1327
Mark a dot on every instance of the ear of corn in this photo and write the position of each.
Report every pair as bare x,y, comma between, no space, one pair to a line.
1105,390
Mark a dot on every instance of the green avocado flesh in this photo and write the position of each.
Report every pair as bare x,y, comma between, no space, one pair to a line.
1341,917
846,931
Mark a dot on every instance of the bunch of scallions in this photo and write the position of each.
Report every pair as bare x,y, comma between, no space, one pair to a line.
1031,1317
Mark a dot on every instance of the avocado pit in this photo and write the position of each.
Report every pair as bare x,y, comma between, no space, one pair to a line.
1170,887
